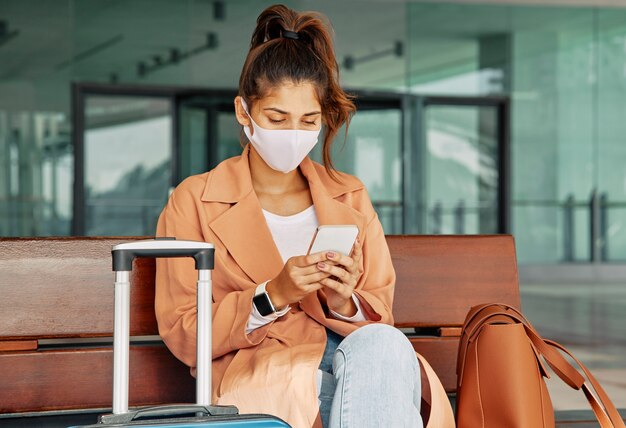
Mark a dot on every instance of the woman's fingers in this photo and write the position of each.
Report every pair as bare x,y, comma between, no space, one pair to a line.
308,260
336,271
307,270
346,263
314,277
357,254
341,289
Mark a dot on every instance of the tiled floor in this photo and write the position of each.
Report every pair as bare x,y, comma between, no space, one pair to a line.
590,320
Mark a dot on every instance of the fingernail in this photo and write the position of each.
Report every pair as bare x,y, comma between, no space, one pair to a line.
321,265
331,255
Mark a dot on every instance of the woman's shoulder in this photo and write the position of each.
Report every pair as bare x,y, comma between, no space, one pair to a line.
192,186
348,189
345,182
200,185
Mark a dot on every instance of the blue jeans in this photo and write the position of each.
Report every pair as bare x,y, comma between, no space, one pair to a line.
370,379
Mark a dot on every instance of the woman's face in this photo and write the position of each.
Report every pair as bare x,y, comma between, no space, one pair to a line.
287,106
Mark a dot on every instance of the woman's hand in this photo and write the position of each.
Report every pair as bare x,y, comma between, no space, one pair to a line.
344,273
300,276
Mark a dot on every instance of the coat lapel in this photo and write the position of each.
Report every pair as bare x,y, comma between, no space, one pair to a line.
245,233
242,228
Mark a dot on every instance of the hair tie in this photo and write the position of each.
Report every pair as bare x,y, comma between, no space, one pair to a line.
291,35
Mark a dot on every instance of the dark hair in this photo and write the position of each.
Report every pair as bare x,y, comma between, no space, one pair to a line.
273,59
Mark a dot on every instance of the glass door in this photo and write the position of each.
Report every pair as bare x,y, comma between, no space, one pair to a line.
464,158
208,131
124,151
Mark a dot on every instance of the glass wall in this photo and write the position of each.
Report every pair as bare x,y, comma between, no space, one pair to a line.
610,127
36,173
563,68
564,71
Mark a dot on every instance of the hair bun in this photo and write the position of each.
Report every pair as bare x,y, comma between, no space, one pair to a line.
272,23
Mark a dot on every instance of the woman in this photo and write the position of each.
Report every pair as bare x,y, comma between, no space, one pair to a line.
325,351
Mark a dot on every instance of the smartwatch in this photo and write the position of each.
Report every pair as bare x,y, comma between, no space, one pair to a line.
263,303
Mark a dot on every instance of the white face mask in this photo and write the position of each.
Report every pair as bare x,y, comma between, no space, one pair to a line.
282,149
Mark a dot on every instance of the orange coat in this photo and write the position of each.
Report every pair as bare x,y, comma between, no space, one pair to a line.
273,369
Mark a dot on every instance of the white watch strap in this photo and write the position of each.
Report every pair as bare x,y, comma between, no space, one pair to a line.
260,289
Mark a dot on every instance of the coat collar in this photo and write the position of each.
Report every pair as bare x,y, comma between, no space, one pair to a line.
243,228
234,182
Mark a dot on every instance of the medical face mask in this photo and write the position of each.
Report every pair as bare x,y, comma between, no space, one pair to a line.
282,149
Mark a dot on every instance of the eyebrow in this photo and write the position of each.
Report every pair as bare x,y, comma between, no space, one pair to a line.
286,112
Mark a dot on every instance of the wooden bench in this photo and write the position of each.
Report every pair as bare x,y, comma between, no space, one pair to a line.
56,317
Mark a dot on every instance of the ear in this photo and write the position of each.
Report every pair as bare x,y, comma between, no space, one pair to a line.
240,113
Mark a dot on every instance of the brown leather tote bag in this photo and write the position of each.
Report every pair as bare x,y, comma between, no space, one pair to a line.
500,374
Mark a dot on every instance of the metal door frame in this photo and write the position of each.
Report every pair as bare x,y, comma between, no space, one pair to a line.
81,90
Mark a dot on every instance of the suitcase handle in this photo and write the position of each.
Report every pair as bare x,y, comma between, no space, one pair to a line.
172,410
124,254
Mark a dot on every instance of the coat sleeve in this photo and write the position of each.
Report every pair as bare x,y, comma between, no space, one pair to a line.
376,286
175,294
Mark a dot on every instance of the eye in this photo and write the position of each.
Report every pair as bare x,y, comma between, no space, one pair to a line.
276,121
310,123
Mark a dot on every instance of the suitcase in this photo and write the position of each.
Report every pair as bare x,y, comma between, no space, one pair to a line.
202,414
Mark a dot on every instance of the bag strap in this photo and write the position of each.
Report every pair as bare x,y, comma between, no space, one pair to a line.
555,360
604,407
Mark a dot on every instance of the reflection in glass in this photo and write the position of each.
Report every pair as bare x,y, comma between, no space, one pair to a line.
462,170
36,174
128,143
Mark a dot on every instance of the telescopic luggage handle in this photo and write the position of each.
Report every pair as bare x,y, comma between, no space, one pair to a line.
123,256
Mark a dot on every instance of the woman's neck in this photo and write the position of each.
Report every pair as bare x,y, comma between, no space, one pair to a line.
268,181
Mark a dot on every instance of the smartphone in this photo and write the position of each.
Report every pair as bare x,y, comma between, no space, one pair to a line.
339,238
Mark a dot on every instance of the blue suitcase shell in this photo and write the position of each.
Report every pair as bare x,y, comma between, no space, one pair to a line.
164,417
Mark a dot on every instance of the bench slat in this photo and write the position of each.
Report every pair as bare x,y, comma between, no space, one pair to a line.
58,380
63,287
440,277
441,355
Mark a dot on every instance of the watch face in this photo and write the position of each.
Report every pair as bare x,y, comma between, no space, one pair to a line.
263,304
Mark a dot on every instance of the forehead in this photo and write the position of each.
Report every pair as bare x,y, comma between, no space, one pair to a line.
292,97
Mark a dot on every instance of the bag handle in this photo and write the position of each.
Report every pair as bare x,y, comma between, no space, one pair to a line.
555,360
602,405
496,313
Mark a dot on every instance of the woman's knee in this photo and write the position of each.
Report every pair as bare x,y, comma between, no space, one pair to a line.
378,342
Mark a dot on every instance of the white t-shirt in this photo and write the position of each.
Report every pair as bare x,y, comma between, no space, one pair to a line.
292,235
